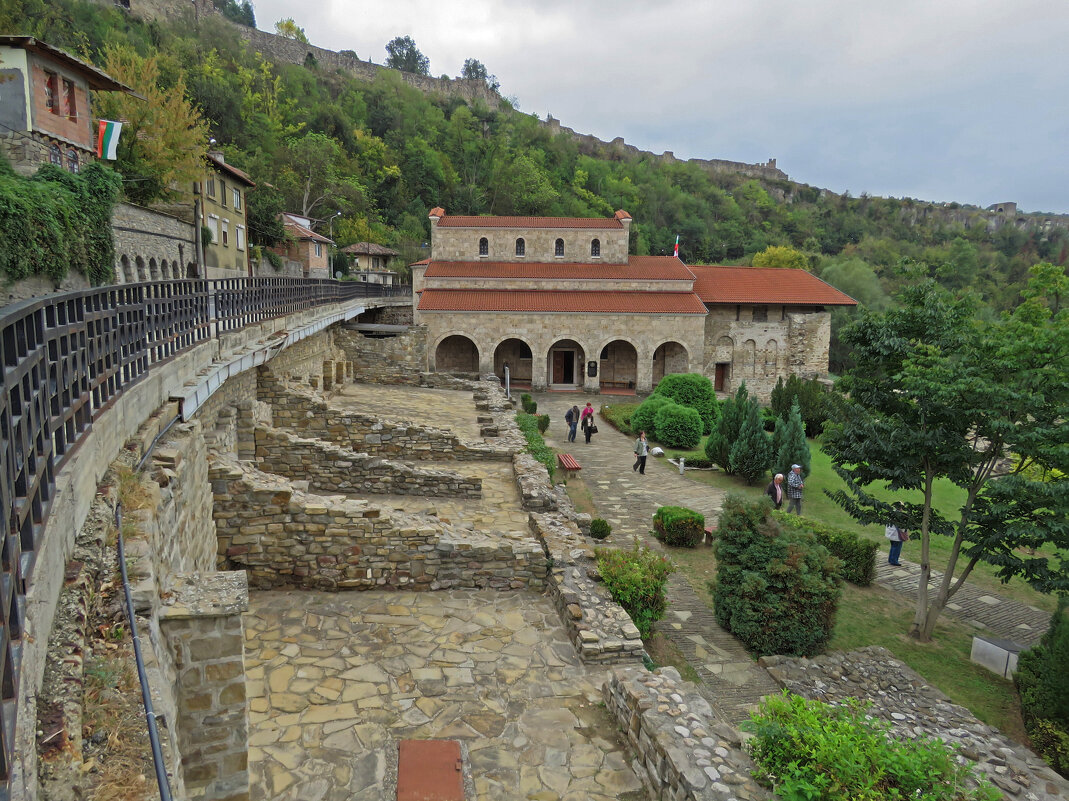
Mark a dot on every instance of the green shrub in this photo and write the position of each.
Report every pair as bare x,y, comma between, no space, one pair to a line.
857,554
678,426
768,419
679,526
732,415
751,453
699,462
543,423
813,750
636,580
693,390
600,529
812,402
776,590
528,404
1043,683
536,446
643,418
792,447
618,415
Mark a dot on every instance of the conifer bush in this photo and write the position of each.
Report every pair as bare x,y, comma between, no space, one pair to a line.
678,426
694,390
643,418
600,528
732,414
1043,683
792,448
776,590
543,423
751,453
858,555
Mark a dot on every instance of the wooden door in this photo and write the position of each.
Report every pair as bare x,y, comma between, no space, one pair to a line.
558,367
721,376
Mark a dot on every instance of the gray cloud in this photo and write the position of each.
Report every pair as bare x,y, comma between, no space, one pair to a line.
935,99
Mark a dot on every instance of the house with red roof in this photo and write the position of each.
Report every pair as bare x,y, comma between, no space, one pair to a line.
563,305
306,253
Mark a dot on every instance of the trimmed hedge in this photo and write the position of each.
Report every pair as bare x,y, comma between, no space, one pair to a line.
599,528
636,580
693,390
543,423
619,416
536,446
858,555
679,526
644,417
776,589
678,426
528,404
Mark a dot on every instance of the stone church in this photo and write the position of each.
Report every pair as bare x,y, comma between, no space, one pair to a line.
563,305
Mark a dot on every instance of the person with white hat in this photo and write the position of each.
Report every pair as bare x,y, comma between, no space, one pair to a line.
794,489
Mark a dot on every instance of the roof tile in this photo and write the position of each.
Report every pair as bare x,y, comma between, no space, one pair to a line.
480,300
638,268
765,285
530,222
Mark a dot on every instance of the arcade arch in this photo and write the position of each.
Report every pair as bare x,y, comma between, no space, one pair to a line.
456,354
670,357
516,353
618,363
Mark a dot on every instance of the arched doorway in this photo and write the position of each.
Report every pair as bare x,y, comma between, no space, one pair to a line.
456,354
618,362
564,364
517,355
669,358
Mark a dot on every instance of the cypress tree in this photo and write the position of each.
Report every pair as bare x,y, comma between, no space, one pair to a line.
718,446
751,455
793,449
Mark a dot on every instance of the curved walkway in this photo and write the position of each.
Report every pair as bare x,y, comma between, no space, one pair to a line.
732,681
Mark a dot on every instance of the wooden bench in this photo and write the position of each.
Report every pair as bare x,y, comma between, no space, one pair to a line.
568,464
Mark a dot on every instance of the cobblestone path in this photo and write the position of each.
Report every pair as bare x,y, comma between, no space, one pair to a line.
987,612
336,679
731,681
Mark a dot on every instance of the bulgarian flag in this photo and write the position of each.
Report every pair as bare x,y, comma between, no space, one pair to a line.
676,254
108,139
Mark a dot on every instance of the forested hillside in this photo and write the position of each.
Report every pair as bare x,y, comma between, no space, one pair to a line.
382,154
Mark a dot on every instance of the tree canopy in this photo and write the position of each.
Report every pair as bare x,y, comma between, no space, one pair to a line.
475,70
402,54
291,30
937,393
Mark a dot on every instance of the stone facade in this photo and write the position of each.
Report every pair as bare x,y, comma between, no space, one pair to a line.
539,245
284,538
328,468
151,246
385,360
222,193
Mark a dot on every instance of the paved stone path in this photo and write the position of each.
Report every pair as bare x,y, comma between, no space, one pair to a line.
336,679
987,612
731,681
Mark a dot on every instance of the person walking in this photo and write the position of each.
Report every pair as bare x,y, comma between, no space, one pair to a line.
642,450
897,536
571,417
794,489
775,490
587,421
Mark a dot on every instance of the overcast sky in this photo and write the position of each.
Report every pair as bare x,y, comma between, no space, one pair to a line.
940,100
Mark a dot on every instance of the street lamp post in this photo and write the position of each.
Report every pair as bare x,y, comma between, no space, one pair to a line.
333,248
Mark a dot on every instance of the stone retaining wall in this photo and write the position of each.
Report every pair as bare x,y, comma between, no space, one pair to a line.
284,538
303,412
386,360
329,468
683,753
913,707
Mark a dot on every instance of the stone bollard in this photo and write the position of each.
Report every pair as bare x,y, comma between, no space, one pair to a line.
681,467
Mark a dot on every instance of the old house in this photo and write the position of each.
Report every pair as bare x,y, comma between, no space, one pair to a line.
306,253
563,304
46,115
222,194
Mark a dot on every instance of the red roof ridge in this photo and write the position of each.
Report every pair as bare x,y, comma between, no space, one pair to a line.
784,285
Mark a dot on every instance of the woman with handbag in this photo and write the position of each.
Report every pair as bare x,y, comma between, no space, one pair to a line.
897,536
587,416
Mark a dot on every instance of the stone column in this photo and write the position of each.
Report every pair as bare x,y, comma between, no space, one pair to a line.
644,372
539,382
204,636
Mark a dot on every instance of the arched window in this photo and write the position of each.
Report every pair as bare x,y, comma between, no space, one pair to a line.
72,160
484,247
595,248
521,247
55,156
558,249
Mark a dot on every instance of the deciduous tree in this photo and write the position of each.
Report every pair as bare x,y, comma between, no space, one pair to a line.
290,30
938,394
780,256
402,54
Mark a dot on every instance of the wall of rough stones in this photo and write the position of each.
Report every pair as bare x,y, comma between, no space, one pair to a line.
682,752
328,468
385,360
285,538
304,413
913,707
151,246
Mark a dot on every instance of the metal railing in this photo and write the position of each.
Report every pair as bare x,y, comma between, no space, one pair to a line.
67,358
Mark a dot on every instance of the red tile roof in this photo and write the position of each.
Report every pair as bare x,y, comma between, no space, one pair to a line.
298,231
232,170
489,300
650,268
530,222
765,285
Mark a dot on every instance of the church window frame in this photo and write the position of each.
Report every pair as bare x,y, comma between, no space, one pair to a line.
521,247
484,247
558,249
595,248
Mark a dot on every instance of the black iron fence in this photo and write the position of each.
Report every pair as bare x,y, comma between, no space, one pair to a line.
67,357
